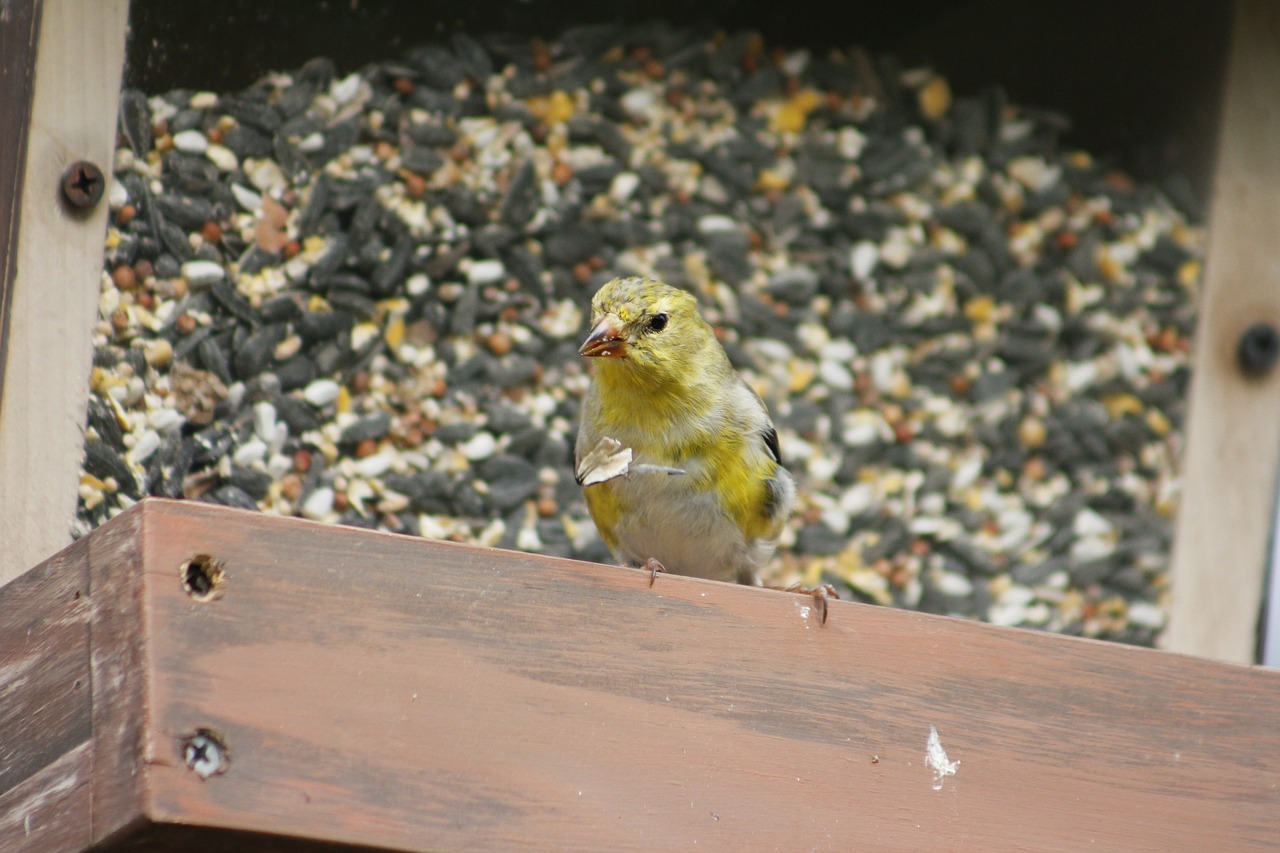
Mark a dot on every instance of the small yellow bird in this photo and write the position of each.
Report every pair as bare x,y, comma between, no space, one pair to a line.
677,456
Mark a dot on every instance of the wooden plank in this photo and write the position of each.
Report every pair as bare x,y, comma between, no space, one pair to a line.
49,811
1233,445
44,666
45,708
68,717
399,694
118,667
58,264
164,838
18,32
406,694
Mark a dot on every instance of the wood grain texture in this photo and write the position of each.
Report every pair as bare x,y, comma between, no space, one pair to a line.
119,638
1233,431
45,708
58,264
49,810
406,694
392,693
19,28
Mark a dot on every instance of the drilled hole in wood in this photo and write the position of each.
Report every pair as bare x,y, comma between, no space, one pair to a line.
203,577
206,753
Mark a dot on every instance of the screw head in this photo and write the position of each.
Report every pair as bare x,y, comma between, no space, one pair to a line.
1258,349
206,753
83,185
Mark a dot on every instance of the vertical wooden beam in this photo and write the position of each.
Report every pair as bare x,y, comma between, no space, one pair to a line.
19,30
53,294
1233,439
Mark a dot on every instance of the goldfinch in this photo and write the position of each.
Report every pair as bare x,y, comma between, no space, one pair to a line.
677,456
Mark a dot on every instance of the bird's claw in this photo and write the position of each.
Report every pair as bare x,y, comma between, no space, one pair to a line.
820,595
654,567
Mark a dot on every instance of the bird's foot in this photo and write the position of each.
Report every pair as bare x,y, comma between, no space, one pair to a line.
654,567
820,595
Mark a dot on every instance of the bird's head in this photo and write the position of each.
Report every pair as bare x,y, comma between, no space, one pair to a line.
653,327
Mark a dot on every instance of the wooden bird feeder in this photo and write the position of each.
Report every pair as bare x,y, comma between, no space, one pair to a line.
196,678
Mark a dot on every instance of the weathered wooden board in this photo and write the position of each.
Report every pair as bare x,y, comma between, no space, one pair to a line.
46,722
51,299
18,34
1233,433
402,694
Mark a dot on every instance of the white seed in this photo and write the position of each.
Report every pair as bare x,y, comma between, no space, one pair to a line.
321,392
117,195
623,186
377,464
246,198
253,450
223,158
264,419
146,445
165,420
318,504
863,258
479,446
191,142
202,273
486,272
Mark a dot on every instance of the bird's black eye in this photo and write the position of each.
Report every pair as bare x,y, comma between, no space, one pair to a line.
658,322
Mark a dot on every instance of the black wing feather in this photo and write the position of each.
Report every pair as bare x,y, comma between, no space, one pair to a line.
771,442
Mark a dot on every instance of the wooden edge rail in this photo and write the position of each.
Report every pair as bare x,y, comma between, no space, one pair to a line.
197,676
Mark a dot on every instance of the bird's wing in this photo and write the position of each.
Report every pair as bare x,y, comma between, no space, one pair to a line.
771,442
758,420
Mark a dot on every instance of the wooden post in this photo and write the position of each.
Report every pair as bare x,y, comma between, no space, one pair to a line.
18,33
51,297
392,692
1233,434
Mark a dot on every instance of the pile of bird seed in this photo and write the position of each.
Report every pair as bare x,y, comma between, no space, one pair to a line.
358,299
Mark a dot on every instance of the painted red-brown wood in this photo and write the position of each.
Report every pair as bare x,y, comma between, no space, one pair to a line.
46,711
402,694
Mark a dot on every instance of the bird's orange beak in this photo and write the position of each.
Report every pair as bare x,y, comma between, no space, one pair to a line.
606,339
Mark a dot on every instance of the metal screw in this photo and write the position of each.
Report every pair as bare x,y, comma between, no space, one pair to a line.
83,185
1258,350
205,753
